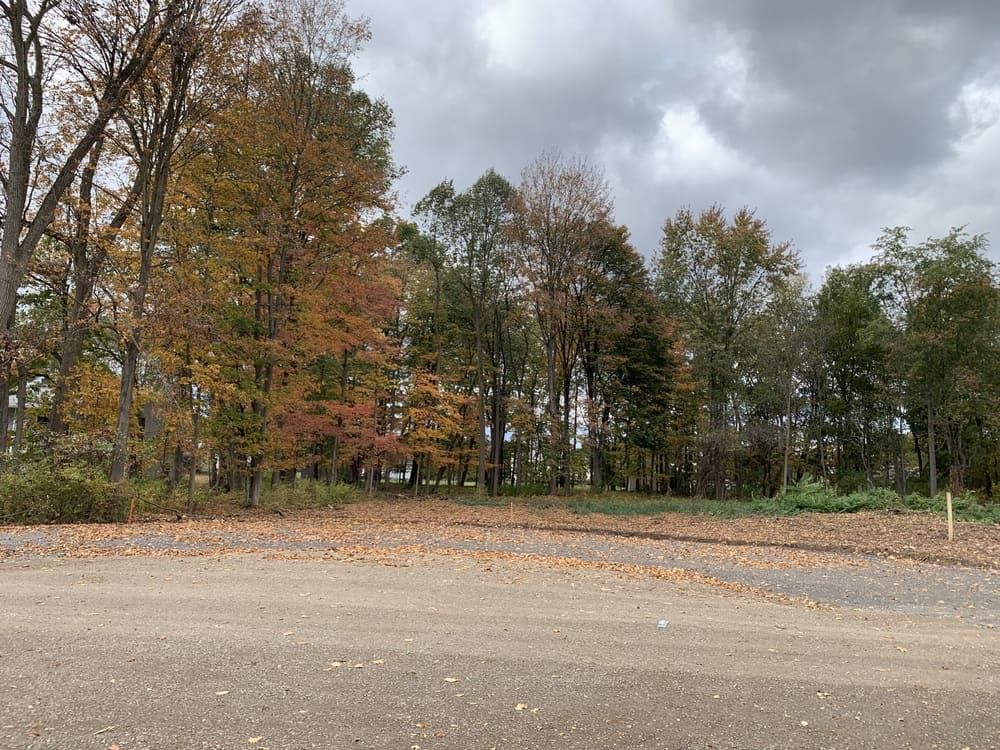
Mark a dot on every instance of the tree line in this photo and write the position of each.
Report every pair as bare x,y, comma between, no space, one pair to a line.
200,271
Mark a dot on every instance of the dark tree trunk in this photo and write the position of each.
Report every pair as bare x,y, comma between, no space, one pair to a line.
22,398
932,449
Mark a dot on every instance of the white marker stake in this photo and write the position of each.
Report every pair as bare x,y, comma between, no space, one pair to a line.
951,522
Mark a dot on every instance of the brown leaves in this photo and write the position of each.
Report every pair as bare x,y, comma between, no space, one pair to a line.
387,533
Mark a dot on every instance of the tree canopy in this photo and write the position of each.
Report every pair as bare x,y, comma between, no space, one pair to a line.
204,273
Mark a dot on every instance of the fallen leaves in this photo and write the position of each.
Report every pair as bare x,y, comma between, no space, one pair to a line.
753,542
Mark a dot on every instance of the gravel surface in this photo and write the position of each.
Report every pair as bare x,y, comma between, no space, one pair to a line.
844,579
416,650
345,629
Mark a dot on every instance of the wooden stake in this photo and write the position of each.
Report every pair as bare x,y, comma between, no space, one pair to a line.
131,510
951,522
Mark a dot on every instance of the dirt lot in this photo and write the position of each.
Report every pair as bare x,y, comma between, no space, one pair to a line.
907,535
435,626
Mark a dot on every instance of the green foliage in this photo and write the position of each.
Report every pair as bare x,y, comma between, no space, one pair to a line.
43,493
63,480
307,493
809,496
806,496
614,504
967,507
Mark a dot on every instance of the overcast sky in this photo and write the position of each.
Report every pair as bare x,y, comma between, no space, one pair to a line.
832,119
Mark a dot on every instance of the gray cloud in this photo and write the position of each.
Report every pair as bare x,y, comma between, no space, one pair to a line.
865,92
833,119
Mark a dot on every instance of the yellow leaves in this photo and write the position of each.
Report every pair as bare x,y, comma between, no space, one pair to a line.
434,408
94,401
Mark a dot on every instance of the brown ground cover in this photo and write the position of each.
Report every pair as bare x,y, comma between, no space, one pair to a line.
895,535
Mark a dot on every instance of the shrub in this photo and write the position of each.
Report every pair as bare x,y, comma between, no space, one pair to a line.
308,493
42,493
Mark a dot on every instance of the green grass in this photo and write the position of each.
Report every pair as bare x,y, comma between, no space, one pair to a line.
967,507
306,494
804,497
629,505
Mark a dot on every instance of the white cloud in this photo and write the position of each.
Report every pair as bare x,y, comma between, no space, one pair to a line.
685,149
977,108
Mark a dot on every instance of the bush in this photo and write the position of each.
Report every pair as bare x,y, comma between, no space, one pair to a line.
808,496
966,507
42,493
804,497
308,493
618,505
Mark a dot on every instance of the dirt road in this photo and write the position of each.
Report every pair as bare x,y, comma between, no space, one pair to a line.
460,649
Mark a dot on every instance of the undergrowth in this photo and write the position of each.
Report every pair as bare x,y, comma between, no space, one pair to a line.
804,497
59,494
307,494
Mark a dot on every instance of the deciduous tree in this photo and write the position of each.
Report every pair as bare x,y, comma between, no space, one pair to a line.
718,276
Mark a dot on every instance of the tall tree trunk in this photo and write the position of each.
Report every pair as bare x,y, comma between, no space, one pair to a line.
256,487
931,449
22,399
499,430
480,401
900,458
87,265
918,450
956,457
154,134
4,415
123,423
788,437
553,408
568,440
195,455
594,424
84,276
716,452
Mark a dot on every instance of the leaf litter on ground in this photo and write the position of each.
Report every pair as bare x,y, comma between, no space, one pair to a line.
385,532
